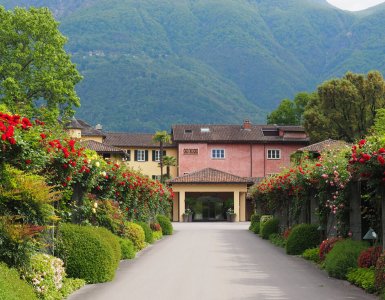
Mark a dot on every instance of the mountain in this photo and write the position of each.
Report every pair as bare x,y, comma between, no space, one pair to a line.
150,63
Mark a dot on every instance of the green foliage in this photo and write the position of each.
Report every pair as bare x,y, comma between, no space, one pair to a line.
12,287
345,107
277,240
380,273
312,254
254,223
302,237
165,223
127,248
147,232
70,285
135,233
157,235
113,242
45,273
86,253
269,227
255,227
363,278
34,67
343,257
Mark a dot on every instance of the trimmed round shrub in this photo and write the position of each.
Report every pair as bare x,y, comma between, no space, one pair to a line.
343,257
256,227
127,249
155,227
326,246
12,287
255,218
312,255
70,285
135,233
368,258
165,223
157,235
87,253
277,240
113,241
147,232
302,237
269,227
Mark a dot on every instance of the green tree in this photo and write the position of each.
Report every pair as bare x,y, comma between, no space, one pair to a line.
169,161
345,107
37,77
290,112
161,137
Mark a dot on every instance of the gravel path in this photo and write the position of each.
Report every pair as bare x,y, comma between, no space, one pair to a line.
210,261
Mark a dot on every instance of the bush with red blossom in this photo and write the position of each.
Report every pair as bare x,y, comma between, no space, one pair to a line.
368,258
326,246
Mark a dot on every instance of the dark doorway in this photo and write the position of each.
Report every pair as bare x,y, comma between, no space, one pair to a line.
209,206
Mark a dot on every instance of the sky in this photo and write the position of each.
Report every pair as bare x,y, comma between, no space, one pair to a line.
354,5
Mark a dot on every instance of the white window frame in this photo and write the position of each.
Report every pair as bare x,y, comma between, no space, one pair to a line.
155,177
157,155
141,155
218,153
273,154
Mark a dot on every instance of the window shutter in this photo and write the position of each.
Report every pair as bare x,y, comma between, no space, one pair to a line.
136,155
153,155
128,155
146,155
164,153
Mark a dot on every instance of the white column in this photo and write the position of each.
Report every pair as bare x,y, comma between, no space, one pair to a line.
175,207
242,207
236,205
182,196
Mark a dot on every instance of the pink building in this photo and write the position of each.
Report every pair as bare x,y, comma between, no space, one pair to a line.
217,163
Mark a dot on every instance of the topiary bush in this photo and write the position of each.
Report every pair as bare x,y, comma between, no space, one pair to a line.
326,246
277,239
312,254
269,227
255,218
147,232
87,253
157,235
368,258
363,278
127,249
302,237
70,285
380,273
135,233
343,257
12,287
165,223
256,227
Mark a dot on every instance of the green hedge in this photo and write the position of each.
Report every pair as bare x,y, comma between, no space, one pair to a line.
157,235
269,227
302,237
343,257
255,227
88,252
277,240
255,218
363,278
165,223
147,232
127,248
135,233
12,287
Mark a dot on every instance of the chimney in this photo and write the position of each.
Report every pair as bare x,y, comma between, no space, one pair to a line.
246,124
98,127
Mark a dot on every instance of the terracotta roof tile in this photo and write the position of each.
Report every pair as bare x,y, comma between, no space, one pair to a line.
210,175
121,139
101,148
87,129
329,143
235,133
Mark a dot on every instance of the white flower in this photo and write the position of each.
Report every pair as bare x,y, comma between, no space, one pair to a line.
94,210
104,174
97,164
96,204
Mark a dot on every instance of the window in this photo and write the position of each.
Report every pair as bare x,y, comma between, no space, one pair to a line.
107,156
141,155
156,155
274,154
218,153
155,177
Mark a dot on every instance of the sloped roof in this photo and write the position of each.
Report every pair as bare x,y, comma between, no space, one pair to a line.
87,129
234,133
327,144
210,175
122,139
101,147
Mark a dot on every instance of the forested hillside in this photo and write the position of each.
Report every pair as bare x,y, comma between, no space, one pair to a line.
150,63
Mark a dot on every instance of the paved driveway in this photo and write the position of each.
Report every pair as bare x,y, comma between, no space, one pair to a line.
209,261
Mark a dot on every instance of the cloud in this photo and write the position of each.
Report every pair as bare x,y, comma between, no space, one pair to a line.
354,5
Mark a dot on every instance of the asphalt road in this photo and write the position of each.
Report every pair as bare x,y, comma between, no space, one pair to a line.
210,261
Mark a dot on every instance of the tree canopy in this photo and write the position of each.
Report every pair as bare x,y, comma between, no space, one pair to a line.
345,107
37,77
290,112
